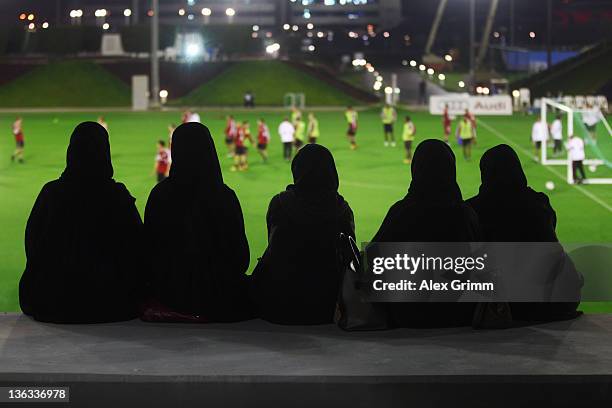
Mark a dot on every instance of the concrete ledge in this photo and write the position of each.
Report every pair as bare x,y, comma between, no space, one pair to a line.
256,363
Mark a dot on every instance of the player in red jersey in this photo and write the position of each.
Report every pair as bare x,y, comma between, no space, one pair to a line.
241,142
162,161
19,140
263,138
446,123
231,129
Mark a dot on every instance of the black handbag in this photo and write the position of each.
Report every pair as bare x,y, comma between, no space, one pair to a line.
353,311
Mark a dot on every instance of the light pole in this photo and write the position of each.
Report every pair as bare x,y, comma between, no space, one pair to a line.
472,42
154,56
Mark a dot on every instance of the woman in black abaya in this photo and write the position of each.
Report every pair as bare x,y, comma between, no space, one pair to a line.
432,211
297,279
510,211
196,241
83,240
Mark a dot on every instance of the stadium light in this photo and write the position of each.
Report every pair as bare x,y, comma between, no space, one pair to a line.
181,12
31,26
441,77
422,67
430,71
461,84
370,69
379,78
386,34
254,35
311,48
448,58
413,63
23,16
100,13
30,17
163,94
404,62
127,12
295,27
532,34
255,27
479,89
310,26
45,25
388,90
230,12
206,12
273,48
486,90
516,93
105,26
192,50
320,34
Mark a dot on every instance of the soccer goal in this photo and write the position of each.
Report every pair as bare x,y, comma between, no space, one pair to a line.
597,141
294,100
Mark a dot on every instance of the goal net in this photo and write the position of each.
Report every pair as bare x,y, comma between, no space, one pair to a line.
294,100
588,124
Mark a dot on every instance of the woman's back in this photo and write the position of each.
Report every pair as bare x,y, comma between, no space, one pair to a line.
83,242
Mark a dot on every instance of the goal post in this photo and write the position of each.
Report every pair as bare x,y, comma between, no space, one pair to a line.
594,148
294,100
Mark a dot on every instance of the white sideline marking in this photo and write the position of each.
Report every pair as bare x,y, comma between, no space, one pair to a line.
552,170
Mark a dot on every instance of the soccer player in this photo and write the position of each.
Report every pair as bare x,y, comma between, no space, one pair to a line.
243,139
313,128
466,134
231,129
539,133
286,132
103,123
300,133
446,123
263,138
19,140
590,118
194,117
295,114
351,118
388,116
162,161
575,150
556,131
408,137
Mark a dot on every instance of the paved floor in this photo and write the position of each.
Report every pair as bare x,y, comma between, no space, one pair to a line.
258,350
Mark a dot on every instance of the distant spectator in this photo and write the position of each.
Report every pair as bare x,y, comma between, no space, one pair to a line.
249,99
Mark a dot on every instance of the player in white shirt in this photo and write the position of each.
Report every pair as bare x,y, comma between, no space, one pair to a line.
575,151
287,132
194,117
556,131
539,133
591,118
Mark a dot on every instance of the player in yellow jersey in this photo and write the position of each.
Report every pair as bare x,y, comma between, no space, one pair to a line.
313,128
351,119
408,133
388,115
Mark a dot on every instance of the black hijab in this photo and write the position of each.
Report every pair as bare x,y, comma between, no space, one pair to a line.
88,157
501,173
194,157
315,181
434,177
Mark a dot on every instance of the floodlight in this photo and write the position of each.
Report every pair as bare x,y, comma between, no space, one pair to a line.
310,26
105,26
272,48
206,11
422,67
230,12
441,77
516,93
461,84
181,12
388,90
448,58
286,27
311,48
193,50
255,27
413,63
45,25
430,71
127,12
163,94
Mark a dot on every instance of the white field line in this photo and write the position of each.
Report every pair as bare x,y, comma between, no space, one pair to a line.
550,169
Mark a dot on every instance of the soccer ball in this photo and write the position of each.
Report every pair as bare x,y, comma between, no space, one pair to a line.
593,168
550,185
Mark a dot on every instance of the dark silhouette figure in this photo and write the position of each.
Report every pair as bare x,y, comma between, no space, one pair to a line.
83,240
196,241
297,280
510,211
432,211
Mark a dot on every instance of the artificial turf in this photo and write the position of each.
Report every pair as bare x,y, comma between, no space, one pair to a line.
371,178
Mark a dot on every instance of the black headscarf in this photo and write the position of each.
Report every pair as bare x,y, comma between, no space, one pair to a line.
315,181
88,157
194,157
434,177
501,172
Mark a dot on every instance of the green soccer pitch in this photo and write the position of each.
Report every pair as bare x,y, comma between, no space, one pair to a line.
371,178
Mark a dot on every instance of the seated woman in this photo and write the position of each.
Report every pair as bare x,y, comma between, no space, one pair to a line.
432,211
297,279
195,238
83,240
510,211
